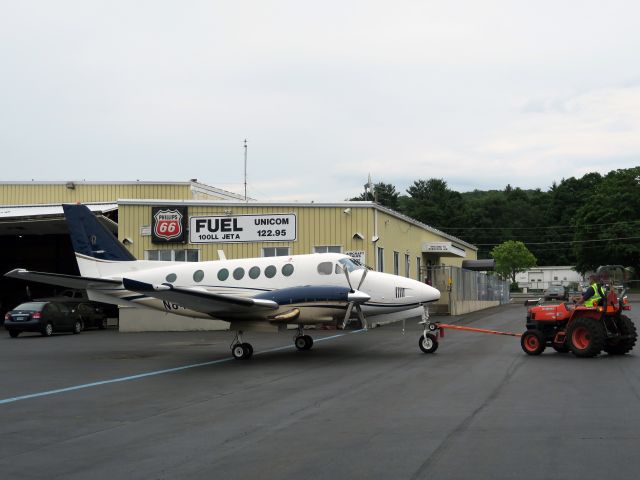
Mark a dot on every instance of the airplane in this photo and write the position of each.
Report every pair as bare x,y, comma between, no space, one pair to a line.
265,294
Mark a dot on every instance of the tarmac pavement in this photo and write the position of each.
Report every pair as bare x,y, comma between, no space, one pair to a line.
104,404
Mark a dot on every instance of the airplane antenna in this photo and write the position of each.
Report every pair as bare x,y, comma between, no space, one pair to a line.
245,169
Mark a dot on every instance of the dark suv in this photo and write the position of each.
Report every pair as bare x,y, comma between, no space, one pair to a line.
43,317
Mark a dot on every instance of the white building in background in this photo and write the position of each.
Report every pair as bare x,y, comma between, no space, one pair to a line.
540,278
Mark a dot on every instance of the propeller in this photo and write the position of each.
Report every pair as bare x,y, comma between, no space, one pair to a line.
356,297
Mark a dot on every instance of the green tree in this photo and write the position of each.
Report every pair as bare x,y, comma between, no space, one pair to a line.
383,193
511,258
606,226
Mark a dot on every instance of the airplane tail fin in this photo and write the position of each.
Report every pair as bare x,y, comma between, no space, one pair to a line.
96,249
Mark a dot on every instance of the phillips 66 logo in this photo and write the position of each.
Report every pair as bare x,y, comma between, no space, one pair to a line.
168,224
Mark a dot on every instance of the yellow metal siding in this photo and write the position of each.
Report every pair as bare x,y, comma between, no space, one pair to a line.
315,226
51,193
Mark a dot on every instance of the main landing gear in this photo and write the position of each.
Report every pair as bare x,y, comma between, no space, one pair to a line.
239,349
301,341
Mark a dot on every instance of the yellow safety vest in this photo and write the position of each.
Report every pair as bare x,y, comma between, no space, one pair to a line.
596,296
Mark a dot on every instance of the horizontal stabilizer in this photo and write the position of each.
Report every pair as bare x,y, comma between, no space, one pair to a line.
69,281
200,300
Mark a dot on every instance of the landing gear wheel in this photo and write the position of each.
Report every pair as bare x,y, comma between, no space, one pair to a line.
13,333
428,343
248,350
586,337
303,342
532,342
47,330
239,351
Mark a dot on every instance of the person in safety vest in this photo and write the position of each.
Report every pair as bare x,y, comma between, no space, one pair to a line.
594,293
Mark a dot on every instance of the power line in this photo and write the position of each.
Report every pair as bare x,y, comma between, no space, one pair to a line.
568,241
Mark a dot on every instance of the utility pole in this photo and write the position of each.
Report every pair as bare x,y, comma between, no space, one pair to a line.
245,169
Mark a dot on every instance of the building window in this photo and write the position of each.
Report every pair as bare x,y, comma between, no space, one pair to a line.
396,263
275,251
327,249
380,259
189,255
407,266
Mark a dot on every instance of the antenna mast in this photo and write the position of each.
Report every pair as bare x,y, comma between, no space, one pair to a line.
245,169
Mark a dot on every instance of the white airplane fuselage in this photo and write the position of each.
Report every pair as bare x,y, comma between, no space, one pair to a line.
254,276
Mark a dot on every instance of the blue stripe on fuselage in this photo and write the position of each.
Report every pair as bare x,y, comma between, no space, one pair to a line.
309,293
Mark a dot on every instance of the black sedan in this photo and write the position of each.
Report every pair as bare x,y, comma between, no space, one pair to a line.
42,317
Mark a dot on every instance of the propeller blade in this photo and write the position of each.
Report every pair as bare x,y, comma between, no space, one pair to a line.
347,315
346,274
361,316
364,274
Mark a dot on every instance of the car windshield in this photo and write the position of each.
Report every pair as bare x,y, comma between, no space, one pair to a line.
30,306
349,264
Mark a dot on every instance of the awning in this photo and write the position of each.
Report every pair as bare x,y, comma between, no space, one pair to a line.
45,219
443,249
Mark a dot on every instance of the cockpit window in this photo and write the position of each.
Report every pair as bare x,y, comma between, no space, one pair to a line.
325,268
349,264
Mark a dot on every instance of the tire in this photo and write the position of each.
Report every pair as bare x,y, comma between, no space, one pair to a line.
103,324
300,342
47,330
586,337
14,333
77,327
620,347
532,342
428,343
308,342
238,351
248,350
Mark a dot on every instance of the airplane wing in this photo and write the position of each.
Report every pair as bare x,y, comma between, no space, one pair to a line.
69,281
202,301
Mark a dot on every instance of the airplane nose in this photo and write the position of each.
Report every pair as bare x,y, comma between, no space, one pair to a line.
358,297
428,293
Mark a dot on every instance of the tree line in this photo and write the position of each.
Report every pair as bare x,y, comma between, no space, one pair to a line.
585,222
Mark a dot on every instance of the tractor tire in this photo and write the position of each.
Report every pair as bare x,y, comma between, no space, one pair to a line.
620,347
586,337
532,342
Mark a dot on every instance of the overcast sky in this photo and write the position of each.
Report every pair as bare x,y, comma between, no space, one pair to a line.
479,93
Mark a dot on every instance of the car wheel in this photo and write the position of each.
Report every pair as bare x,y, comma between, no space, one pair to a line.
47,330
77,327
103,324
13,333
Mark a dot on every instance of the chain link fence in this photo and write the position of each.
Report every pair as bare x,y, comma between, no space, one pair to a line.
457,284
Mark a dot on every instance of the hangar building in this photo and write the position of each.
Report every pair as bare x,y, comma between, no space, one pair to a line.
33,235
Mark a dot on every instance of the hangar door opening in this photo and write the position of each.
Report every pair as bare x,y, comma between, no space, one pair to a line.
36,238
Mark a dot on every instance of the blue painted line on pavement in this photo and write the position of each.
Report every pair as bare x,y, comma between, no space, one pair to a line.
151,374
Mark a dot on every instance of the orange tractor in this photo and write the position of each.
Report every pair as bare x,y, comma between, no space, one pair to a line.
584,331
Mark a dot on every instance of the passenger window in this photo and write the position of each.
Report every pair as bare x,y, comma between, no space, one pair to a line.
238,273
223,274
270,271
254,272
172,277
198,275
287,270
325,268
